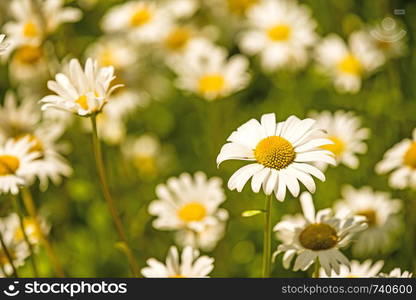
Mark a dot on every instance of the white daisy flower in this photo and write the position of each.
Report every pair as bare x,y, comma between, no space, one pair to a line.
397,273
206,71
82,92
188,203
380,211
17,248
356,270
144,20
347,64
207,238
29,63
345,131
319,238
36,19
282,153
16,164
281,32
189,265
3,44
400,160
24,121
31,229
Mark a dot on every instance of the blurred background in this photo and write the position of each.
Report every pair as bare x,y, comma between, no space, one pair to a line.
186,133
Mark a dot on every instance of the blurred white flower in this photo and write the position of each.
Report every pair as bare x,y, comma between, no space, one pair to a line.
17,248
281,32
380,210
82,92
189,265
356,270
30,227
188,202
3,43
25,121
206,70
400,160
345,131
16,164
28,63
348,64
397,273
282,154
320,237
34,19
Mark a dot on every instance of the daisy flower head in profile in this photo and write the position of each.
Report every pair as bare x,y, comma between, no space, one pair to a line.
144,20
281,32
366,269
187,265
188,202
205,70
3,43
17,248
344,129
396,273
348,63
318,239
25,120
81,91
400,160
33,20
281,155
16,165
380,211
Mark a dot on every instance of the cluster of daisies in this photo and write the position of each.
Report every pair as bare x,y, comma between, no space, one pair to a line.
284,156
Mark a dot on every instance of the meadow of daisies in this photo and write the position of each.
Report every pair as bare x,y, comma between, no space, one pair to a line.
207,138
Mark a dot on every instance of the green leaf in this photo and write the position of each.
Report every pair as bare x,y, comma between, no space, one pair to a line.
251,213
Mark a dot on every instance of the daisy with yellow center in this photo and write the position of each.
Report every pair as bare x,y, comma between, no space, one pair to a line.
82,92
31,229
280,32
317,239
187,265
345,131
205,69
366,269
144,20
16,165
283,153
400,160
380,211
18,249
348,64
188,204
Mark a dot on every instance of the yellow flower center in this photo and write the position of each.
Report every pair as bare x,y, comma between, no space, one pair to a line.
211,83
28,54
350,64
371,216
31,230
30,30
83,102
141,16
279,33
410,156
178,38
318,236
240,6
8,165
337,147
37,143
146,164
177,276
107,58
274,152
192,211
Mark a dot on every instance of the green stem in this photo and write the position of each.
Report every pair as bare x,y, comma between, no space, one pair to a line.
267,237
317,267
108,198
31,209
22,228
8,256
